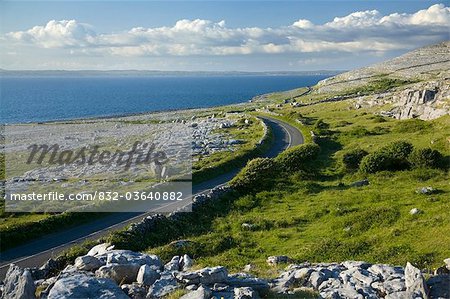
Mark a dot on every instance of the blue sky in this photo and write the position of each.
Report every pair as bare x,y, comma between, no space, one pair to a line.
214,35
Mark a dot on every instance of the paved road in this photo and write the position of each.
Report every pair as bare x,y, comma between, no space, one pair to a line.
37,252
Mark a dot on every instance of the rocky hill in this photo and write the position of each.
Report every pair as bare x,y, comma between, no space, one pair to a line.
421,89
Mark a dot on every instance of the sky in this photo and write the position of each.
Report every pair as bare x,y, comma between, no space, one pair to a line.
214,35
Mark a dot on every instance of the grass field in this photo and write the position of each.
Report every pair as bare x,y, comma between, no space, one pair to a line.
322,218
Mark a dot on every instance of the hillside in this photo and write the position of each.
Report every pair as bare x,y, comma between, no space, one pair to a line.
359,211
416,84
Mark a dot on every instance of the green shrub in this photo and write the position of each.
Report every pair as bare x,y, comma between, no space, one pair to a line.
378,119
374,162
353,158
297,157
393,156
398,153
412,126
358,131
255,175
321,127
426,158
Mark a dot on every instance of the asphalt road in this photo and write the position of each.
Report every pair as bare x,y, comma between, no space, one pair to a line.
38,251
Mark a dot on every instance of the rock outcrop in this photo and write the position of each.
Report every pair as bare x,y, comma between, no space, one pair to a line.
428,98
128,274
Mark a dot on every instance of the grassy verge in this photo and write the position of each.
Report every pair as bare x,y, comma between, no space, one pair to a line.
223,162
18,228
322,217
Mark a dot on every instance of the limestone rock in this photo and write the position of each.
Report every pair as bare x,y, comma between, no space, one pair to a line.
165,285
207,276
415,211
88,263
415,283
173,265
100,249
120,273
277,259
245,293
18,284
200,293
439,286
186,263
147,276
134,290
246,280
447,263
83,286
128,256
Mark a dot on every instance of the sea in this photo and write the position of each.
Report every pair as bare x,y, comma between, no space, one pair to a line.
25,99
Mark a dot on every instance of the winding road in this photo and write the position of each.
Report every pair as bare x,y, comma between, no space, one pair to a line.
38,251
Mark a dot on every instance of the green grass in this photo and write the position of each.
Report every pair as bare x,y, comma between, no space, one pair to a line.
18,228
379,84
321,218
224,161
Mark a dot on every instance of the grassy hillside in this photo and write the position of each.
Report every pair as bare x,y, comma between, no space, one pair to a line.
319,216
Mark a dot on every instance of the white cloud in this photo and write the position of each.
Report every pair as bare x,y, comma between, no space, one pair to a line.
357,32
57,34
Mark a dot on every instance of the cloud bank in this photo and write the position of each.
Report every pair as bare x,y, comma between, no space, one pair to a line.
362,31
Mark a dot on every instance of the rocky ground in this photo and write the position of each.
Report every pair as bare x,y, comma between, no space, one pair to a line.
108,273
429,98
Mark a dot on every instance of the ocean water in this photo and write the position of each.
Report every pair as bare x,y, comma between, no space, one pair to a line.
36,99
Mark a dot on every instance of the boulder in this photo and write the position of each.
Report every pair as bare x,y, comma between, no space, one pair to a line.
425,190
100,249
120,273
439,286
134,290
165,285
147,276
356,264
207,276
87,263
415,211
83,286
173,265
415,283
200,293
18,284
447,263
277,259
128,257
245,293
186,263
246,280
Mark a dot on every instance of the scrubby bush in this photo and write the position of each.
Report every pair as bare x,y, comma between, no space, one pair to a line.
352,159
358,131
374,162
321,127
412,126
297,157
378,119
426,158
255,175
398,153
393,156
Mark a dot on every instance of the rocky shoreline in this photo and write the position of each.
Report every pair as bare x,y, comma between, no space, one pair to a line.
108,273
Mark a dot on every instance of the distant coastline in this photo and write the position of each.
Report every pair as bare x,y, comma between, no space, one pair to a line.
34,99
156,73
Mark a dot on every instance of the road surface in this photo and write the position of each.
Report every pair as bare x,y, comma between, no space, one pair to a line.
37,252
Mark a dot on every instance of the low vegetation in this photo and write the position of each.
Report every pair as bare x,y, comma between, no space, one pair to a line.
321,216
